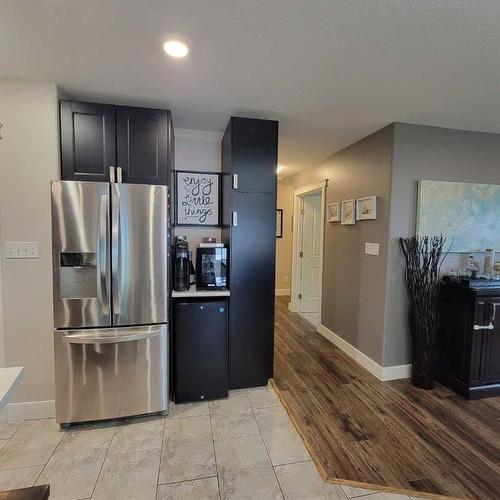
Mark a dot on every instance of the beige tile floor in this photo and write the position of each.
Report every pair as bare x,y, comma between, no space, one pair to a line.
243,447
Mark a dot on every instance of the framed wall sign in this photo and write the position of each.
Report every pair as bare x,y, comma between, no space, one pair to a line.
279,223
197,198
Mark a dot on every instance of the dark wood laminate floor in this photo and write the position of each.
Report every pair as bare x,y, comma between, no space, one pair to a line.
390,434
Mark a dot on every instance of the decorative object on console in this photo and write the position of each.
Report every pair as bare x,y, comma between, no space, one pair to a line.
333,212
466,213
279,223
366,208
489,259
348,213
423,256
197,198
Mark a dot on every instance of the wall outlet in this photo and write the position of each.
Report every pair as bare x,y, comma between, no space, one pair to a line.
372,248
21,249
285,280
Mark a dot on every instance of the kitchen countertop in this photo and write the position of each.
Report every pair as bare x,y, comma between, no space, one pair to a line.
194,293
9,378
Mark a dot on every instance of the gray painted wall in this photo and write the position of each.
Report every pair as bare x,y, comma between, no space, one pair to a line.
354,283
430,153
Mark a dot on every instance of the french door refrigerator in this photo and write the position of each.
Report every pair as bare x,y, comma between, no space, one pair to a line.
109,244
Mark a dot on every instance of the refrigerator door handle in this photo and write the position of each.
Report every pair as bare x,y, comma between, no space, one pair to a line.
107,339
115,248
119,175
102,258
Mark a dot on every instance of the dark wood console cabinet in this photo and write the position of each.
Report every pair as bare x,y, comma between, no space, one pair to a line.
469,340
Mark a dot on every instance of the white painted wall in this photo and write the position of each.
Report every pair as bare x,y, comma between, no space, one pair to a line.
197,150
29,159
2,348
284,245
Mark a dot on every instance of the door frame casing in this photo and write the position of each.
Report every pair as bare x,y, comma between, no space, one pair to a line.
294,305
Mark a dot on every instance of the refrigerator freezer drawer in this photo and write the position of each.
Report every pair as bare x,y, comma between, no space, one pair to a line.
111,373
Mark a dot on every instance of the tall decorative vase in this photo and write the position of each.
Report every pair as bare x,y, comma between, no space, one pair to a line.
423,256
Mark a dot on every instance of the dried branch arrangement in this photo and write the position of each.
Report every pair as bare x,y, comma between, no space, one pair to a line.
423,256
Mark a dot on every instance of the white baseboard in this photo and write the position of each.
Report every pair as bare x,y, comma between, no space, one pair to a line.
383,373
17,412
396,372
282,291
313,318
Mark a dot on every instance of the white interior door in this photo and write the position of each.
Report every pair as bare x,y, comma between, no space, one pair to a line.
311,254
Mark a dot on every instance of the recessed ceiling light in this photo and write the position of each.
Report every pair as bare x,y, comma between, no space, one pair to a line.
174,48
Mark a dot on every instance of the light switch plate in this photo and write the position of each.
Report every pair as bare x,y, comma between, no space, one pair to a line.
21,249
372,248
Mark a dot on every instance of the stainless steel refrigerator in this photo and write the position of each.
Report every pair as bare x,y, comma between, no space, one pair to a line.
109,244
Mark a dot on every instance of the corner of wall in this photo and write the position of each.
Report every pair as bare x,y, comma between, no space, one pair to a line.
391,250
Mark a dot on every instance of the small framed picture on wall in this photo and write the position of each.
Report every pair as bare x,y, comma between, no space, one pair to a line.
333,212
348,212
279,223
366,208
197,198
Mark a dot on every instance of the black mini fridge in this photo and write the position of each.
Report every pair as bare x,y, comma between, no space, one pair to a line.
200,350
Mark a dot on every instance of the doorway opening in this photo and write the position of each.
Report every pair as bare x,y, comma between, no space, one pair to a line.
307,257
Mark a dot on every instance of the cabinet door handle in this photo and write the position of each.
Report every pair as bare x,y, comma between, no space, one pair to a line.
235,219
235,181
493,310
119,176
484,327
111,174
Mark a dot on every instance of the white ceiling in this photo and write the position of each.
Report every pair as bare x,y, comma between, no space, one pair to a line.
331,71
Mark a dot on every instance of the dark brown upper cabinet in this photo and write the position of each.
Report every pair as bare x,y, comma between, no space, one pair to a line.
253,149
88,141
142,144
96,138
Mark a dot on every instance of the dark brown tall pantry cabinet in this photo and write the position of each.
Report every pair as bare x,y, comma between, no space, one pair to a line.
249,162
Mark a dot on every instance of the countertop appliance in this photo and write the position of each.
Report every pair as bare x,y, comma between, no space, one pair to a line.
109,244
181,264
211,268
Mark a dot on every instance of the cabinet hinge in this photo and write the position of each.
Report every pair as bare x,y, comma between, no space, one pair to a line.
301,255
300,296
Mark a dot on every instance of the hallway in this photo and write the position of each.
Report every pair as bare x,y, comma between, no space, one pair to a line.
392,435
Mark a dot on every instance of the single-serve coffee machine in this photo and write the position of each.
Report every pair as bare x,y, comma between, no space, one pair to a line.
181,264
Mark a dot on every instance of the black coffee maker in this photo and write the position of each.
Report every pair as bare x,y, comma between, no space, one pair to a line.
181,264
